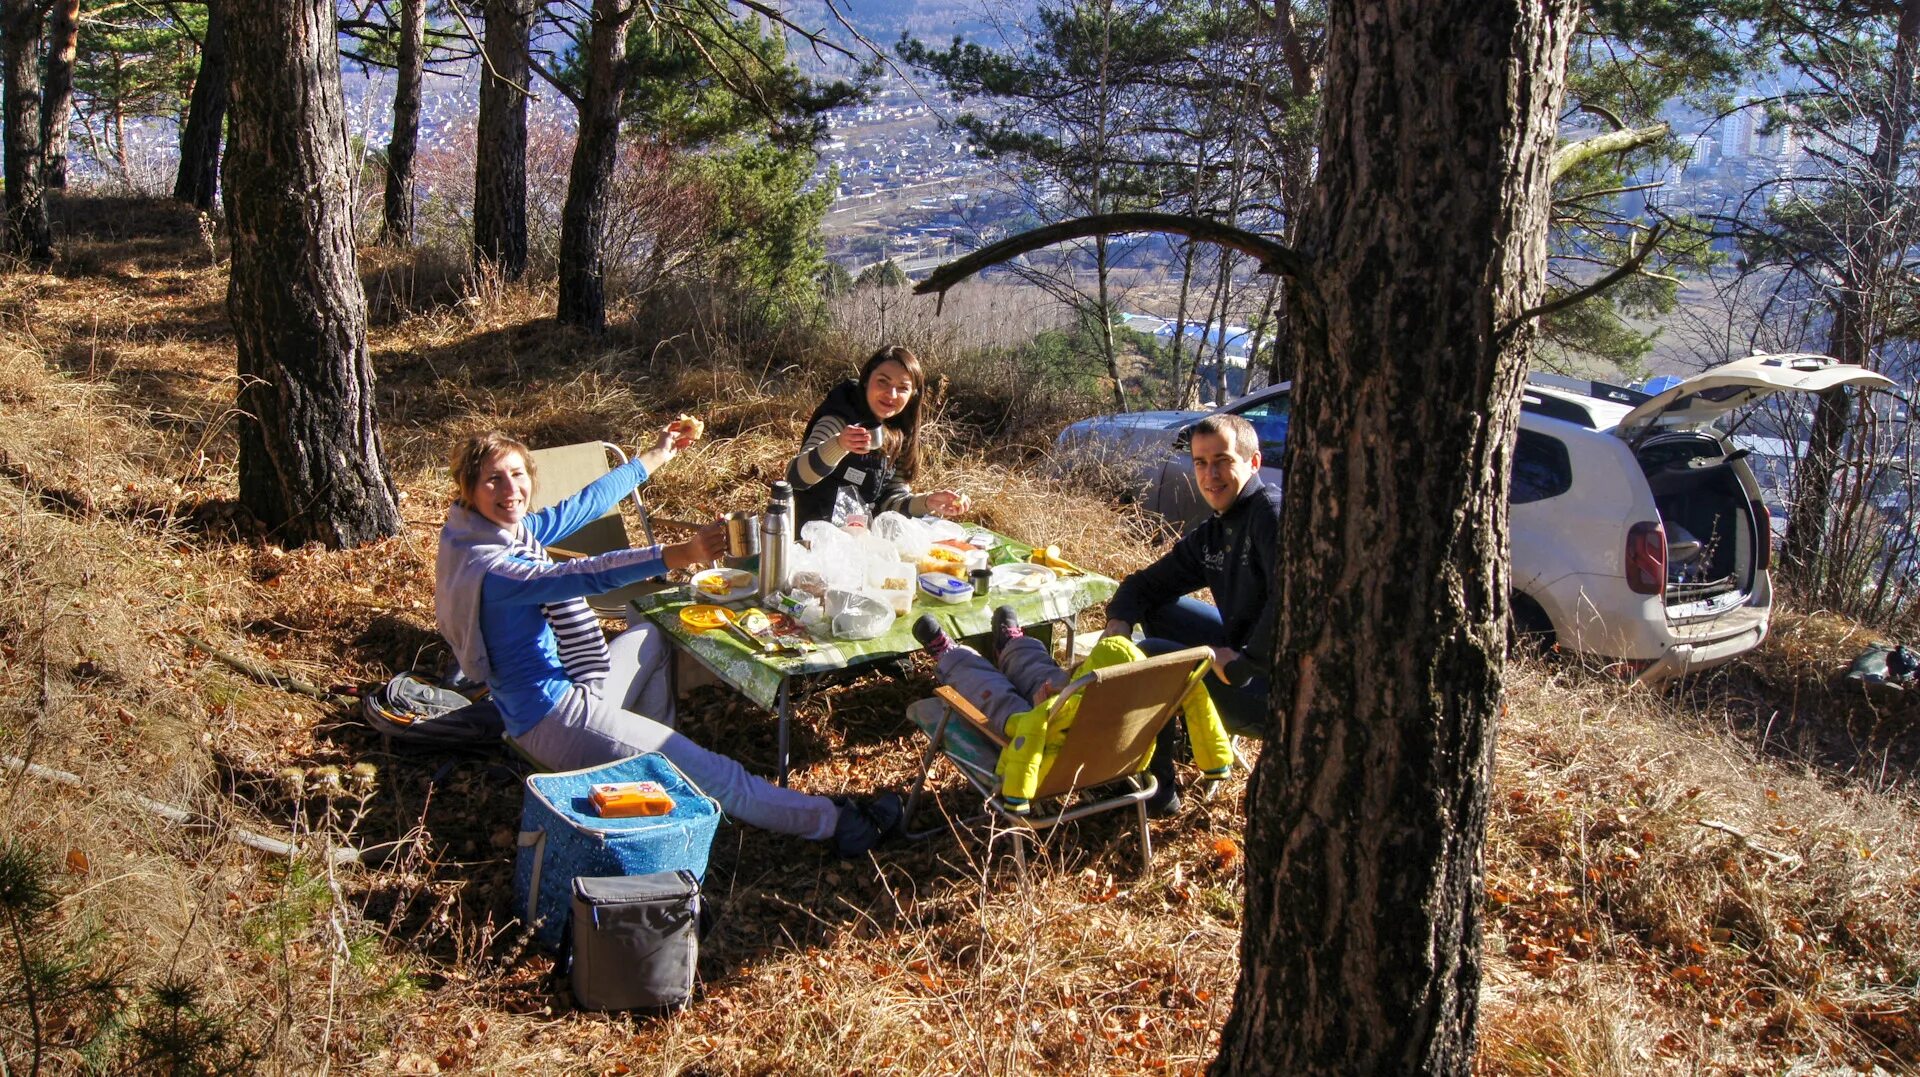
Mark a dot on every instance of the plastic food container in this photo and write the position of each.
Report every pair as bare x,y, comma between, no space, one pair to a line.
945,588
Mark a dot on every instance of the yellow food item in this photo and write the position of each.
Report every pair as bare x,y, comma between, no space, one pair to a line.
715,585
941,559
703,618
1050,558
688,427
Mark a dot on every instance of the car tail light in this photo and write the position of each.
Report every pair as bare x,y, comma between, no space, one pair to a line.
1647,559
1763,544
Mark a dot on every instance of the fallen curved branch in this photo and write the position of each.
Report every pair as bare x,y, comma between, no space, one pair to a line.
338,855
265,674
1273,257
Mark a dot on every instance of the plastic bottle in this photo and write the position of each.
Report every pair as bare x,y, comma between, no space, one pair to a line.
776,538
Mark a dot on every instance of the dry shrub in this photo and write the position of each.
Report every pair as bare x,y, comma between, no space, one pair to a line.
1759,914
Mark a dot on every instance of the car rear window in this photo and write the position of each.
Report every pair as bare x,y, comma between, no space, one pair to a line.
1540,468
1269,419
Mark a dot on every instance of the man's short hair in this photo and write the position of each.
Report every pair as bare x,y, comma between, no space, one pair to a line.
1241,438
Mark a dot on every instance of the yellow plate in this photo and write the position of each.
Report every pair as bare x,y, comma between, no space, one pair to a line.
703,618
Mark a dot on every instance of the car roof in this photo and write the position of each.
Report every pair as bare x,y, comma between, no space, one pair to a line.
1594,405
1573,406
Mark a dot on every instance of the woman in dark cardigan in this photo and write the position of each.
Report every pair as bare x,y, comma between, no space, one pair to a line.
862,448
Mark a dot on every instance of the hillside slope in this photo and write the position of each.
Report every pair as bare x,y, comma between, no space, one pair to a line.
1721,878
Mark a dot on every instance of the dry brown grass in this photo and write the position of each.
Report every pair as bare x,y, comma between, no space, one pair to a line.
1624,935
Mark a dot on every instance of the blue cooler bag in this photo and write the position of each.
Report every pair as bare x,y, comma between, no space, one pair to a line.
562,837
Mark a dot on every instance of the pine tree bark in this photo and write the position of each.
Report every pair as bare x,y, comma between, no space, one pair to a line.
198,178
63,44
310,461
583,219
397,204
22,23
500,153
1426,239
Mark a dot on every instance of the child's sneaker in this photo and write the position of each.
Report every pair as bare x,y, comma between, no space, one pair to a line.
1212,781
931,636
1006,629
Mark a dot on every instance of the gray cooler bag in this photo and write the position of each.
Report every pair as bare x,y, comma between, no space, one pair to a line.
635,940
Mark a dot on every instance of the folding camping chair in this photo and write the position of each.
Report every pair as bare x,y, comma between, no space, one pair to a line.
565,470
1121,711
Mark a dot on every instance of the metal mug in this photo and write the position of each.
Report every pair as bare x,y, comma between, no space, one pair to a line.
743,534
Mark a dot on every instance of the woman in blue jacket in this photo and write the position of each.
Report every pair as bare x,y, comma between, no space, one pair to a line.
519,621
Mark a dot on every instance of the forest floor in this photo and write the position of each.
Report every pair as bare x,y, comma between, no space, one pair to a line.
1718,877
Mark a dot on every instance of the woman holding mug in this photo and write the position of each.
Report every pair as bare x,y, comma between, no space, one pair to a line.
519,621
862,448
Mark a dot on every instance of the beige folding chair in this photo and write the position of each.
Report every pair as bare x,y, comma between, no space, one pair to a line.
1102,761
565,470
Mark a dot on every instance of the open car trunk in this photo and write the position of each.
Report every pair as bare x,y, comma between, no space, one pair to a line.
1710,522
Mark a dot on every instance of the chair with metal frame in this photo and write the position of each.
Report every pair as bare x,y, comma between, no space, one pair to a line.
1102,761
565,470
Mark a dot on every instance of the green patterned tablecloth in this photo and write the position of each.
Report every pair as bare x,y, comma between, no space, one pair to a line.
758,676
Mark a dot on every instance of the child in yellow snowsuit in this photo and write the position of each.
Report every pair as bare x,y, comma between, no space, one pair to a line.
1015,692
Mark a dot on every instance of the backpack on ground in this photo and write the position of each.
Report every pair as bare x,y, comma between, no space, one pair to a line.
412,709
634,940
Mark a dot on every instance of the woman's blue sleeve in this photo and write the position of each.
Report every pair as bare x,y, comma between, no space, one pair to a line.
556,522
516,581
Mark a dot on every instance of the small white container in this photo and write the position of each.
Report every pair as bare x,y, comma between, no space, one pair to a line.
944,588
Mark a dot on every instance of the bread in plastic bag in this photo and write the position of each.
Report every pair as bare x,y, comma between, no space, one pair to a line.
910,537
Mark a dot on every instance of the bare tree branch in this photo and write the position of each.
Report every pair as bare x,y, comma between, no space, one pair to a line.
1626,269
1273,257
1575,154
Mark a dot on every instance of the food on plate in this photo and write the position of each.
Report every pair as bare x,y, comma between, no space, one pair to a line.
944,559
1021,578
723,583
703,618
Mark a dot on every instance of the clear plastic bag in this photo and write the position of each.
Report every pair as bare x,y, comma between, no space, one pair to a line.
940,530
857,615
910,537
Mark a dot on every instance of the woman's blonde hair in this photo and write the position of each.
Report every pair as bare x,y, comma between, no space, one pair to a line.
471,456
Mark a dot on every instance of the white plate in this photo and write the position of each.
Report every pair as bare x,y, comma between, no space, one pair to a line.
741,584
1020,577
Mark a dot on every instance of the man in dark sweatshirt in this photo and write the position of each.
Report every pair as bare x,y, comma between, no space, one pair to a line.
1232,553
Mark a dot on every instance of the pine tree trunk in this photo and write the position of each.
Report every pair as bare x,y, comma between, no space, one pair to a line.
500,154
27,230
583,220
63,41
397,206
310,463
198,178
1368,807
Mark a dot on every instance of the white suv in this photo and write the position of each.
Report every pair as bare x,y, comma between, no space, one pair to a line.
1639,532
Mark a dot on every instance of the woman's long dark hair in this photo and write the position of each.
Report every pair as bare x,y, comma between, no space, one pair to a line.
906,454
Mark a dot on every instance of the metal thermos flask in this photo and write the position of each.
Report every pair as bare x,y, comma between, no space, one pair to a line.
776,537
